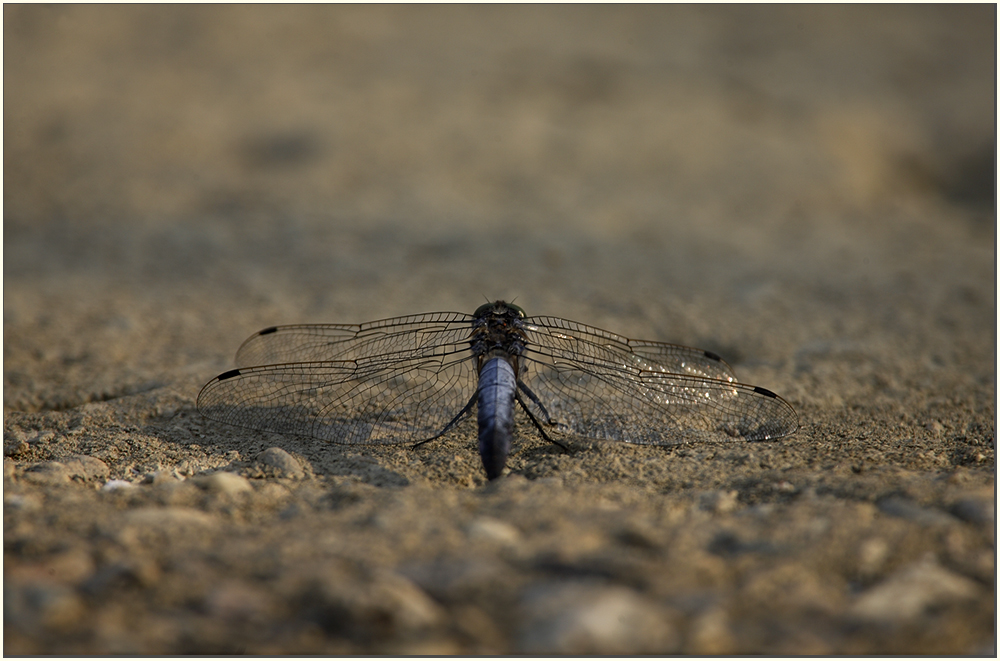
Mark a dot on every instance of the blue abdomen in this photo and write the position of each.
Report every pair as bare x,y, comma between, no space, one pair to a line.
497,385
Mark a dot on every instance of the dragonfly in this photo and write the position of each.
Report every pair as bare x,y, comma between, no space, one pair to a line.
412,379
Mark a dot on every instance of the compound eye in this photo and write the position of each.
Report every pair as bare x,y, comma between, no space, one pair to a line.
517,309
483,309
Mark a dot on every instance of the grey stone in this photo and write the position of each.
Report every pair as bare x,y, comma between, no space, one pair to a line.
710,634
86,468
907,509
277,462
911,591
223,482
237,600
161,477
584,618
16,449
41,605
14,436
975,510
137,572
15,442
41,438
384,607
21,502
75,467
47,472
455,578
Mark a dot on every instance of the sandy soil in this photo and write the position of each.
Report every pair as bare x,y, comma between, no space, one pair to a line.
807,191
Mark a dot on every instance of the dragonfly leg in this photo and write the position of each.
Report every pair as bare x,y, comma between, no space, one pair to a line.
534,398
454,421
534,421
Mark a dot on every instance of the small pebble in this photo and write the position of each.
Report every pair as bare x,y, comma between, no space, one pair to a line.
872,555
21,502
719,502
223,482
14,436
237,600
75,467
710,634
86,468
168,517
934,427
410,606
493,530
41,605
913,590
161,477
451,578
47,472
41,438
905,508
115,485
582,618
68,566
383,607
784,487
277,462
16,448
975,510
640,537
135,572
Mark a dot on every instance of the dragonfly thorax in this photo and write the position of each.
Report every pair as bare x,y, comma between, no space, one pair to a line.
498,332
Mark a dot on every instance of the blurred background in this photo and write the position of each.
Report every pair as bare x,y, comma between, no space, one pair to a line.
808,191
176,177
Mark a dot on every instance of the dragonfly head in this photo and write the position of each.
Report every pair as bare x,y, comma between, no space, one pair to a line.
498,307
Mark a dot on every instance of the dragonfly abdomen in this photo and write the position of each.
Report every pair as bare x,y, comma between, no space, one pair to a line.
497,387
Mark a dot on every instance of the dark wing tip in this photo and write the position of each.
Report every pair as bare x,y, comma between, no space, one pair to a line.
227,375
765,392
268,330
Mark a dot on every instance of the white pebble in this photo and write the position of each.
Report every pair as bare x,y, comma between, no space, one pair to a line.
493,530
114,485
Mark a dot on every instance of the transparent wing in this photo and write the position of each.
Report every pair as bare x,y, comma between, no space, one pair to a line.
412,336
568,339
405,379
678,359
406,382
588,382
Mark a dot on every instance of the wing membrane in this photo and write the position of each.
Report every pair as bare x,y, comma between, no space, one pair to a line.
593,383
406,337
562,339
645,407
351,402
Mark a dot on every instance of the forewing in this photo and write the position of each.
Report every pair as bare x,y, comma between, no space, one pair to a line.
409,337
352,402
564,339
677,359
580,384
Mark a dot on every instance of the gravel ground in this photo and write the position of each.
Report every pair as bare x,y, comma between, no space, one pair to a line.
807,191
